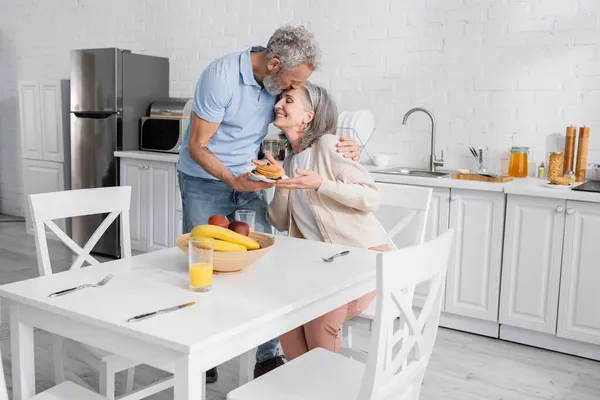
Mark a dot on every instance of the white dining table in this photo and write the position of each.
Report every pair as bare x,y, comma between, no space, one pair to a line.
289,286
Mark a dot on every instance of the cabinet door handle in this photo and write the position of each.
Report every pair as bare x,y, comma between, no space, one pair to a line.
559,209
452,198
569,211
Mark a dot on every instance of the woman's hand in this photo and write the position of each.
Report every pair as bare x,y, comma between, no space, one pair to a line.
349,147
306,180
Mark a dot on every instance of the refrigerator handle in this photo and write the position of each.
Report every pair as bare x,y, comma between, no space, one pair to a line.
94,114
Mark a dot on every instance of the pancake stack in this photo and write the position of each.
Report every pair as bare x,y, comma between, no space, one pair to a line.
268,171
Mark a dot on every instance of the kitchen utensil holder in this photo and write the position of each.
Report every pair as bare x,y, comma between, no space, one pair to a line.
352,134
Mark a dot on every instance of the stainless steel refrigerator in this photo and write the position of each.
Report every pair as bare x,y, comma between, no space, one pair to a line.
111,90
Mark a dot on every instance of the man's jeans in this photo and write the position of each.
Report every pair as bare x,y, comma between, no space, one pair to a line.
202,198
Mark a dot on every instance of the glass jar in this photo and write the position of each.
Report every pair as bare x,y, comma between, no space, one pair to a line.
555,165
517,167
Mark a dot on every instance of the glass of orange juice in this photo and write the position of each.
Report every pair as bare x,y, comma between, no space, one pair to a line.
247,216
200,254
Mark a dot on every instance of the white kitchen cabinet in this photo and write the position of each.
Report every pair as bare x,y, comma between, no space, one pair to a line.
178,223
473,279
533,246
51,127
41,114
161,205
437,224
29,120
43,110
579,305
133,174
42,177
152,211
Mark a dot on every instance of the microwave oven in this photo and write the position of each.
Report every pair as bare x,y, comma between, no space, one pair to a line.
162,134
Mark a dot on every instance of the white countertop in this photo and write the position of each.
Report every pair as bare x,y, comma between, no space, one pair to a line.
524,187
148,156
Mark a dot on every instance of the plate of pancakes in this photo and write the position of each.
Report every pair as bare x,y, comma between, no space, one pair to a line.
267,173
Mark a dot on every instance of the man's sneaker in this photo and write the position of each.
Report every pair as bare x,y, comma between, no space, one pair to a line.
212,375
268,365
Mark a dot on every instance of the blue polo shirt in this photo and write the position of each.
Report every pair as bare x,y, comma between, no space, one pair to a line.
227,93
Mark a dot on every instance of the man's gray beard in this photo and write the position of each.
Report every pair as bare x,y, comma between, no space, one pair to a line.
271,86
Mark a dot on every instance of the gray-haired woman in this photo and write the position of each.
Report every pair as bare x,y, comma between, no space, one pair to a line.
328,198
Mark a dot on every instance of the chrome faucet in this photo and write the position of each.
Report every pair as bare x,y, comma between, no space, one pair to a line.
433,160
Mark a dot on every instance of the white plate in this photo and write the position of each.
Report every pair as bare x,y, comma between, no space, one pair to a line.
261,178
340,123
364,124
553,186
346,132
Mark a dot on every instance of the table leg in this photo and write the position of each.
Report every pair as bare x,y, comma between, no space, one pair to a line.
190,381
23,365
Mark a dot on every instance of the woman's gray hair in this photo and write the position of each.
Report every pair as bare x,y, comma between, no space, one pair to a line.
324,122
293,46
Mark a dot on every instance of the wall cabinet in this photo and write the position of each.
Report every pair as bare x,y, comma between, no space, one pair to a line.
579,305
152,203
532,262
473,279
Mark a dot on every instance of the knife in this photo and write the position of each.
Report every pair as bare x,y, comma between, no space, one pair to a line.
163,311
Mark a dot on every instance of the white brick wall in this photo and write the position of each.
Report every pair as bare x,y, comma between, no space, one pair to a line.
487,68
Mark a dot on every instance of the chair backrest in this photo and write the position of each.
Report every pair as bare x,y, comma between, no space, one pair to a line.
403,336
3,390
416,200
46,207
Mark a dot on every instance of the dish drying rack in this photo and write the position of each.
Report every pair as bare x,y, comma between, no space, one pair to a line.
352,134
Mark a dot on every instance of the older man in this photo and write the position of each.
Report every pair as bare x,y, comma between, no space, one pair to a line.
232,109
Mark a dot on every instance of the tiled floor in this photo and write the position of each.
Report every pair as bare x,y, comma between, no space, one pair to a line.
463,366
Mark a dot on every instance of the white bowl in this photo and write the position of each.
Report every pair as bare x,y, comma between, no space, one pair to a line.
381,160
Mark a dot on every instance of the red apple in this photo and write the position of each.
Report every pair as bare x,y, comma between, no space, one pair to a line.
240,227
218,220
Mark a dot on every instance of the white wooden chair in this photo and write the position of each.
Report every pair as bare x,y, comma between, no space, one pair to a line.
408,230
62,391
401,343
114,201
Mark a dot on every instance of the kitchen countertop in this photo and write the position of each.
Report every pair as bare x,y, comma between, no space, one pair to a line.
524,187
148,156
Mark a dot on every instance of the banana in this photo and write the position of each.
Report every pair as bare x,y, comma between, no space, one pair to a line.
220,233
228,247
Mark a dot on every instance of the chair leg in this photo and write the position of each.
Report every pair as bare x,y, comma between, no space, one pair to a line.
247,361
58,356
130,377
107,382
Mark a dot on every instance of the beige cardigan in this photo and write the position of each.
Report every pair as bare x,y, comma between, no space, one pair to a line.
344,204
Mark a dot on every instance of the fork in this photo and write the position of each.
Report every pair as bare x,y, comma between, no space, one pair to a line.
330,259
87,285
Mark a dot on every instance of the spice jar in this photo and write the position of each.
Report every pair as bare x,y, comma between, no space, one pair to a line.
570,175
517,167
555,165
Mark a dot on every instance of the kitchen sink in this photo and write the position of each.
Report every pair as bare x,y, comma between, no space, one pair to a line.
413,172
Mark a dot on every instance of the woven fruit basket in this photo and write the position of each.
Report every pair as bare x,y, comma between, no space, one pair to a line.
230,262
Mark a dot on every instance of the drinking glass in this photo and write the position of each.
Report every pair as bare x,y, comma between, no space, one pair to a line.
200,253
247,216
